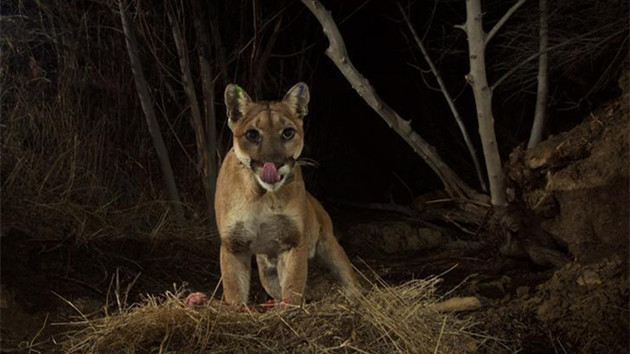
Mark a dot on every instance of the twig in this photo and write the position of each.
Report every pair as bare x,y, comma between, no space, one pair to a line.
503,20
81,282
31,343
77,310
449,100
465,230
536,55
437,345
411,196
458,304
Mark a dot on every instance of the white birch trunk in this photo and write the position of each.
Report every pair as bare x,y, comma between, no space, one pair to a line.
542,92
483,101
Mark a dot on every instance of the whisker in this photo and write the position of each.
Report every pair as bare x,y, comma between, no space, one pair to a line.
304,161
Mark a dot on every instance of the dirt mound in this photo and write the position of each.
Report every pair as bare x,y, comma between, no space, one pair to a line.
581,309
577,183
578,300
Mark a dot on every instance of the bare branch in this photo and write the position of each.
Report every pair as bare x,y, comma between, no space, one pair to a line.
449,100
203,155
149,113
189,88
338,54
503,20
536,55
458,304
207,84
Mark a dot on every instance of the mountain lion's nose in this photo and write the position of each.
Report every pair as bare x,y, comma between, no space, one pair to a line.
277,161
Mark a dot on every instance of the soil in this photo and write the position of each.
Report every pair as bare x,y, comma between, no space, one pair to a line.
575,183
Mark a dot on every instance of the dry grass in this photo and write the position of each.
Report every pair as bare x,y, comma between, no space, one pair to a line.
385,320
77,162
61,199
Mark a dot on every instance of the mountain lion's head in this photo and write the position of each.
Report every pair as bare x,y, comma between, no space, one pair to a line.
268,135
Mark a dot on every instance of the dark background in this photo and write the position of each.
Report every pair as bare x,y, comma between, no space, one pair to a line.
77,50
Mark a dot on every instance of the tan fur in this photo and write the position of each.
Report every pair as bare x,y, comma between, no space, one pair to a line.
281,224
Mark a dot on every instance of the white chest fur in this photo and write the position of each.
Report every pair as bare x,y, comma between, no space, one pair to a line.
262,228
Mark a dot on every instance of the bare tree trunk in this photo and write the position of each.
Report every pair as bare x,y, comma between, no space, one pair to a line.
449,100
542,93
338,54
483,100
221,66
207,84
512,222
203,159
149,113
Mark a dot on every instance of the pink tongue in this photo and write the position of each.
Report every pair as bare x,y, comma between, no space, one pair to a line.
269,173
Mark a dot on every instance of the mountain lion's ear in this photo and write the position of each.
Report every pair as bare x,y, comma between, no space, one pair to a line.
297,99
236,101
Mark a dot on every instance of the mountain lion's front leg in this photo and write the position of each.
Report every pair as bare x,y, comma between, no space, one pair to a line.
235,270
268,272
292,271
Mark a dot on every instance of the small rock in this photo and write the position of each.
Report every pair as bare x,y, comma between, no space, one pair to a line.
539,158
589,278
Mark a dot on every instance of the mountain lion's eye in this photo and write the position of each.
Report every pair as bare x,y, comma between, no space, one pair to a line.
288,134
253,135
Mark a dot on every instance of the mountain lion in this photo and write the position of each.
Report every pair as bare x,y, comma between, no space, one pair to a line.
262,207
